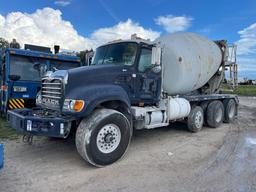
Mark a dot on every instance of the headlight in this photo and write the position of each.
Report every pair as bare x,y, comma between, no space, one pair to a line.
73,105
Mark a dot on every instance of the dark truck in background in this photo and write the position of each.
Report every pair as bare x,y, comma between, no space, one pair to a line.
131,84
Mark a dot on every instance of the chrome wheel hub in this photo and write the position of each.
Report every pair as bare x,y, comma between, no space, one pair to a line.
219,115
108,138
199,119
232,111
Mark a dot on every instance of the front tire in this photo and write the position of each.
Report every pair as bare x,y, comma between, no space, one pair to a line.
104,137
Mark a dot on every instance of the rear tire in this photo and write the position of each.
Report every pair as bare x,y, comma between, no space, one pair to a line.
204,106
230,110
215,113
104,137
195,119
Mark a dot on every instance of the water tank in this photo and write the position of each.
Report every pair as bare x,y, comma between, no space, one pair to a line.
188,61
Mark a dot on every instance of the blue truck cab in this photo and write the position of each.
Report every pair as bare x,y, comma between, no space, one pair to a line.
19,78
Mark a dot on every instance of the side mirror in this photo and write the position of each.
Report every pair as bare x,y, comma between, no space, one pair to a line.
14,77
40,67
156,56
36,65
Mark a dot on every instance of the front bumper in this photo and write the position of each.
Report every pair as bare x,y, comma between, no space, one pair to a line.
39,122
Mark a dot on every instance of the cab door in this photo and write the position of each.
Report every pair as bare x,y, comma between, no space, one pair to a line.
148,80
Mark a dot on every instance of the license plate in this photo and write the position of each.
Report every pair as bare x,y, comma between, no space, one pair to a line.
29,125
19,89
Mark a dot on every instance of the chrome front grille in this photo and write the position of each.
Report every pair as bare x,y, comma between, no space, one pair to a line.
52,92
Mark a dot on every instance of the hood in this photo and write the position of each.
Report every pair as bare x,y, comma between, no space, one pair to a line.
92,75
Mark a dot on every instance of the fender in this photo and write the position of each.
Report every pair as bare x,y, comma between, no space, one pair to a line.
93,95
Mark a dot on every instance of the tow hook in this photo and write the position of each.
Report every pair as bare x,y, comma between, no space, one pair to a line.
27,138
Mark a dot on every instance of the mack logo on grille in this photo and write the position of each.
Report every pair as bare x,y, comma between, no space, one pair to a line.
50,101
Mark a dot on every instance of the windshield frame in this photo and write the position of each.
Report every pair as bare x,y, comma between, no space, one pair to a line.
118,64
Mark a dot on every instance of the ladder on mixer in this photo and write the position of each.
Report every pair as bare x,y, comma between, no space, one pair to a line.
231,66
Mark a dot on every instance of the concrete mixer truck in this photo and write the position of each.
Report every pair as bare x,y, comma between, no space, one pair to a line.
131,85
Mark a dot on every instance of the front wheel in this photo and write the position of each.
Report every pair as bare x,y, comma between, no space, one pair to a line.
103,138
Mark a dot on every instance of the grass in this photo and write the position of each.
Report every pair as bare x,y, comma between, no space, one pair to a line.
246,90
6,132
242,90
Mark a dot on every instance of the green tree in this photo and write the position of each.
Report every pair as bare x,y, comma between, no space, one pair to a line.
4,43
85,56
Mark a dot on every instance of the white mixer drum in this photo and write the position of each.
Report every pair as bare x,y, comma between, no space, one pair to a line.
189,61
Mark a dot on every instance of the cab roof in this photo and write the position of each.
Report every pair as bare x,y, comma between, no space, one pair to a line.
134,39
14,51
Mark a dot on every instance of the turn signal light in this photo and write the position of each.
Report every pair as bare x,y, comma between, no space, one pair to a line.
78,105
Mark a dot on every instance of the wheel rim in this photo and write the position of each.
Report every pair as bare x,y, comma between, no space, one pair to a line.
218,115
199,119
108,138
231,111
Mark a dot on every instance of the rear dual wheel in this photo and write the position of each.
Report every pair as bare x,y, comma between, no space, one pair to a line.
218,112
230,110
212,113
215,114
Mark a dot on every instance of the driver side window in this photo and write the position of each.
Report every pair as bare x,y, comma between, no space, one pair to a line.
145,59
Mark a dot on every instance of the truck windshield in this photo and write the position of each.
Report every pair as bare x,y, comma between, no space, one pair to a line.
119,54
24,67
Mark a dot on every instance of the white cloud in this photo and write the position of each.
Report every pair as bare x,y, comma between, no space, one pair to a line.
123,30
43,27
246,51
2,20
174,24
247,42
46,27
246,64
62,3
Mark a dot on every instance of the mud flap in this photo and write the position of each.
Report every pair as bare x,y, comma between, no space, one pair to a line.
27,138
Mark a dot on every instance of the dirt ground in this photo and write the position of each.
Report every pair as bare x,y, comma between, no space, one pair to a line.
165,159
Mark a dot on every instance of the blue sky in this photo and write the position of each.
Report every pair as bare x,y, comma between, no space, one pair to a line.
219,19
